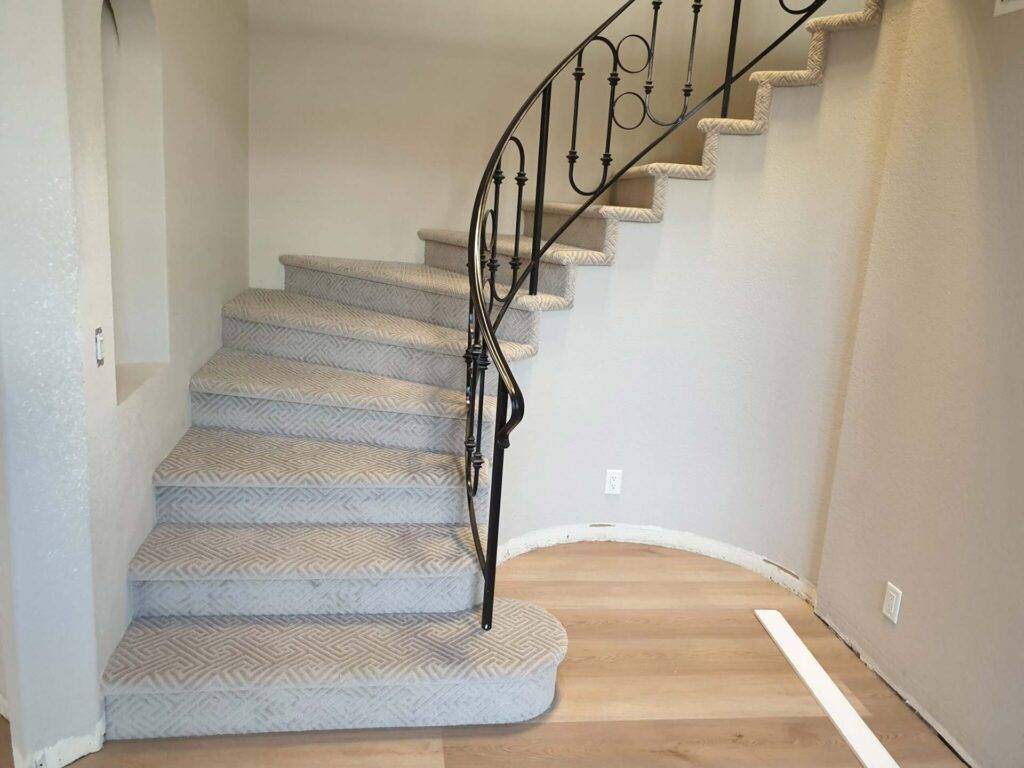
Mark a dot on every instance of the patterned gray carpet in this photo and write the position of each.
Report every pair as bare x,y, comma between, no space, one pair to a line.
312,565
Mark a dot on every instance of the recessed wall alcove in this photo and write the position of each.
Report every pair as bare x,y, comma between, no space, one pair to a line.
133,115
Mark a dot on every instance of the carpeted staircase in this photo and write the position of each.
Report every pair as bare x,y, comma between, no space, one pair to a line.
312,565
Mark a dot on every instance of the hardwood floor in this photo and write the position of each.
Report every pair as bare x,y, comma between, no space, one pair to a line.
667,666
6,760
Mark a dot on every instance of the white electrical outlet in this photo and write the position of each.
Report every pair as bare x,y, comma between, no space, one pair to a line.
891,604
613,482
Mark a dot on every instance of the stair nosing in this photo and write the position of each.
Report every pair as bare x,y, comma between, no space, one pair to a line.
541,302
460,561
456,348
559,253
209,386
165,477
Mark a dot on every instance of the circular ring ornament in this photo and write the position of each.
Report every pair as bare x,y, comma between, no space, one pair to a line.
647,54
643,111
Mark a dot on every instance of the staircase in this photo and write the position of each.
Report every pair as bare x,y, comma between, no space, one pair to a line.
316,562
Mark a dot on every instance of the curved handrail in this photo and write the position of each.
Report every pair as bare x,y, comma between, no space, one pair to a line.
482,341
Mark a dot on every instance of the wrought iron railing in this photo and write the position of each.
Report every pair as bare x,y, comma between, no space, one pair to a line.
490,300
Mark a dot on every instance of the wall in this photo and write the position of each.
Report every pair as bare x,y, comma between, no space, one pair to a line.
928,483
133,117
45,577
708,361
370,121
204,47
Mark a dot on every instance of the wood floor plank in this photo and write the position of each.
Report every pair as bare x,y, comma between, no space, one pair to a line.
6,758
667,666
353,749
778,742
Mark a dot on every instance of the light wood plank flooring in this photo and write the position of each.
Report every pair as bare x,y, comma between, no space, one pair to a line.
667,666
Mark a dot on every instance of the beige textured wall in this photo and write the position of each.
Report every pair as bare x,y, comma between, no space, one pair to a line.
929,483
372,120
204,48
707,362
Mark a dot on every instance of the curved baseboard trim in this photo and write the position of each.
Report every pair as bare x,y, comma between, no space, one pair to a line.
659,537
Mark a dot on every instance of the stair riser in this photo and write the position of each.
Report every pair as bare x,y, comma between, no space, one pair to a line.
433,368
555,279
444,594
209,713
253,505
437,309
636,193
349,425
594,234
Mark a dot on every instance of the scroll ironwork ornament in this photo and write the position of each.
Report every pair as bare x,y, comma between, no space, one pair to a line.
490,297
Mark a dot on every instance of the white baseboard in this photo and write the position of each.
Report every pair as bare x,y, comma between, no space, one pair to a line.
64,752
851,726
912,702
661,537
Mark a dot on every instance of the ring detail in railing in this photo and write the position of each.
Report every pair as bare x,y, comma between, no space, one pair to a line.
489,302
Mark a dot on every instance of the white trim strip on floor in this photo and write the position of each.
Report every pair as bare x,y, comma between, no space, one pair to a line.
862,741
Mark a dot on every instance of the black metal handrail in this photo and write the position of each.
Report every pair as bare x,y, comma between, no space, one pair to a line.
488,305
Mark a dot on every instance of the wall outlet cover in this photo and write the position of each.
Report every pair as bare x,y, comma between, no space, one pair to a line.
891,603
613,482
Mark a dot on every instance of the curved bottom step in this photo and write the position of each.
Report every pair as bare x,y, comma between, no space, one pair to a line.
219,675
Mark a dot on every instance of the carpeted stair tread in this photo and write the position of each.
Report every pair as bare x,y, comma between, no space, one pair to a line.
176,655
304,313
418,277
558,253
238,373
615,212
272,552
218,458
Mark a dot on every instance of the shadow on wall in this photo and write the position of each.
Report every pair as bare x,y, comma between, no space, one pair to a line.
134,114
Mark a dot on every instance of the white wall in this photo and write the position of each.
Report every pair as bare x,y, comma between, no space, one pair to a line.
133,117
204,48
45,577
929,485
707,362
372,120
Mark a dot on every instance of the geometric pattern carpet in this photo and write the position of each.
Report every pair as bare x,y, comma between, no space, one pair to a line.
312,565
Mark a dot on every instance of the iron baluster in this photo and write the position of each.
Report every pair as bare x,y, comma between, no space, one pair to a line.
730,61
497,472
478,455
649,84
688,88
538,200
492,262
